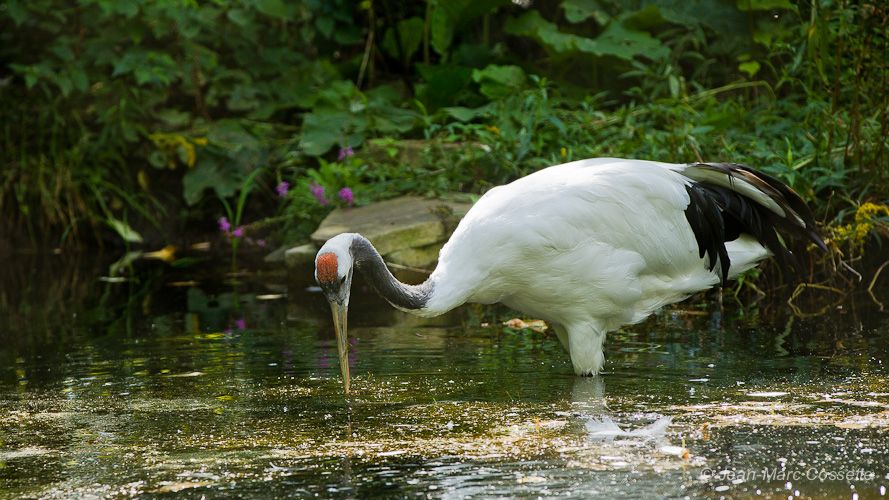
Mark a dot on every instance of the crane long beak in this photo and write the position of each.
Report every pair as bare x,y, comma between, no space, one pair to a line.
340,324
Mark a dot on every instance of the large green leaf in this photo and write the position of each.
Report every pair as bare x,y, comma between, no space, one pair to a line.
275,8
441,29
411,32
749,67
344,116
148,67
448,16
17,10
748,5
240,17
466,114
644,19
620,41
208,174
499,81
443,82
533,25
234,150
617,40
719,15
232,135
577,11
384,113
322,130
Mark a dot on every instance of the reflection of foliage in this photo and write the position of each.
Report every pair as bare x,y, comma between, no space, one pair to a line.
125,113
49,303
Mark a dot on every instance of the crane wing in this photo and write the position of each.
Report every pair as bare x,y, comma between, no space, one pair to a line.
728,199
633,233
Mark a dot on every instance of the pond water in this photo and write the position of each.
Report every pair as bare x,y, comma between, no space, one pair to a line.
176,385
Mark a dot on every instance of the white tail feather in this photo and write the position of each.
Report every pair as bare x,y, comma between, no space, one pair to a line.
744,253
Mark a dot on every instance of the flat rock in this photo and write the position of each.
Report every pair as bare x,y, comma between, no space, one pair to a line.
396,225
419,257
301,255
277,255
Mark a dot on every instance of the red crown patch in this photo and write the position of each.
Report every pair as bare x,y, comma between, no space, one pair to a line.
326,268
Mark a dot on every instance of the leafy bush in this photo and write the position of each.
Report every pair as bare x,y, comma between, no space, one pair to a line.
139,117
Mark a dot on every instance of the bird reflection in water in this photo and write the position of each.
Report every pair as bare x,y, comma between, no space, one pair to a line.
589,405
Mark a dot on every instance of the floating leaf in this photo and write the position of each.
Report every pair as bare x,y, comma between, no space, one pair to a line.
186,374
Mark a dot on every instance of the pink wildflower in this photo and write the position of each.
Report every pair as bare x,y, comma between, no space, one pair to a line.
282,188
318,192
345,153
347,196
224,225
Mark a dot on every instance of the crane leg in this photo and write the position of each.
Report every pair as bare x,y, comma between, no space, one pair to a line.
585,347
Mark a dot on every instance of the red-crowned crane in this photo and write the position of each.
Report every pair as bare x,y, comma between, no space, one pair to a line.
587,246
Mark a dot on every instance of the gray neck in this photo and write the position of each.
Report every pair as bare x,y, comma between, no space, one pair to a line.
374,270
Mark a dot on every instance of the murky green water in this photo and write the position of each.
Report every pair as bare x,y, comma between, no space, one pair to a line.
160,388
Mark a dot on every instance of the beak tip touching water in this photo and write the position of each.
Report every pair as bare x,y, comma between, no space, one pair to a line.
340,324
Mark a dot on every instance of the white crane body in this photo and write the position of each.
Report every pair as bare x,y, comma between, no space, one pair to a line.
594,244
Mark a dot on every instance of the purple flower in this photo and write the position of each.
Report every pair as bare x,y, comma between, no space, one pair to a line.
241,324
238,232
260,243
224,225
345,153
282,188
347,196
318,192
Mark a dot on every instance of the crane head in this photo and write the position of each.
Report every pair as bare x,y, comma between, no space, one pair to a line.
333,272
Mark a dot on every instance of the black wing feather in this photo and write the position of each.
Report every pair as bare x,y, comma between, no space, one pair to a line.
718,214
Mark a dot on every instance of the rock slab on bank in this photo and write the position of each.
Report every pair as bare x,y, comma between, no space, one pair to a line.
408,231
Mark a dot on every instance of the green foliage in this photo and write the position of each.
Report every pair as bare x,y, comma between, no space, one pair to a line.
617,39
119,115
342,115
410,32
497,82
109,80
